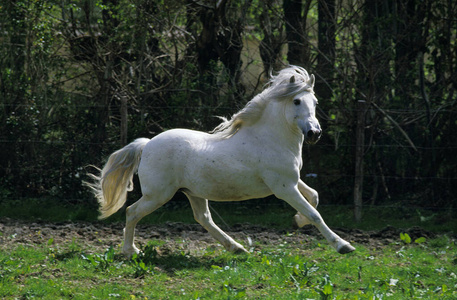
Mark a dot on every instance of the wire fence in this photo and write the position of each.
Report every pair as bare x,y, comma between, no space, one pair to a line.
49,166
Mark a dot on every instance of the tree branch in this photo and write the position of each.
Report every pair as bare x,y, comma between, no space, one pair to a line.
396,125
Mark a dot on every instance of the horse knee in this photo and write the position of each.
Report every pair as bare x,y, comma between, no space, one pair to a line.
301,220
315,218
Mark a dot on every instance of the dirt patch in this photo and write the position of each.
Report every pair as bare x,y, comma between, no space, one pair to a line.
190,237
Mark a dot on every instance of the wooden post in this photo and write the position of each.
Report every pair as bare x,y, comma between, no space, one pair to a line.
359,153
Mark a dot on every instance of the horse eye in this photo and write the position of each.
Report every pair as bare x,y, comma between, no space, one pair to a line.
297,102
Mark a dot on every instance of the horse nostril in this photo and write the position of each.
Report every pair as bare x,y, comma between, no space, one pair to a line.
313,135
310,134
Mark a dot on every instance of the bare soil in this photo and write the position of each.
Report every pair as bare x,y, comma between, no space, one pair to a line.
193,238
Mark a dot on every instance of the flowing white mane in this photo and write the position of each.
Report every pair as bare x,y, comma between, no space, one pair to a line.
287,83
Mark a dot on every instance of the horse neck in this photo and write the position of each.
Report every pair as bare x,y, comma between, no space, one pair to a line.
273,125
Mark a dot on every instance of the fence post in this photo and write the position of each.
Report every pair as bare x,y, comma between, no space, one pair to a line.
359,153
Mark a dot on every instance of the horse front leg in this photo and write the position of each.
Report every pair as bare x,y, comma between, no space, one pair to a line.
203,216
291,194
313,198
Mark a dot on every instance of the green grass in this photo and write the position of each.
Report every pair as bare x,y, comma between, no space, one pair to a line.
71,270
397,271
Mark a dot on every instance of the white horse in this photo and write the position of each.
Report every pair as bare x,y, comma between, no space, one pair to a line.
258,152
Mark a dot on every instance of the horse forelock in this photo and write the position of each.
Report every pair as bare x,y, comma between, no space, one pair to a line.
280,87
290,81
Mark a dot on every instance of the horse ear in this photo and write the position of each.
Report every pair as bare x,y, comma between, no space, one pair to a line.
311,80
292,79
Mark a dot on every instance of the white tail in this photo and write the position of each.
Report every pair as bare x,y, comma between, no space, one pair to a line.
115,180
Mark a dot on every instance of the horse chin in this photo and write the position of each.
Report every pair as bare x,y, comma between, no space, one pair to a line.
311,141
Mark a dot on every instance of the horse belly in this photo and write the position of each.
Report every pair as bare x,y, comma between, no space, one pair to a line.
225,182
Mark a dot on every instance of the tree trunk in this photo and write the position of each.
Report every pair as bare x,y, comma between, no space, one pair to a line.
326,55
14,86
124,120
410,16
359,153
271,44
299,50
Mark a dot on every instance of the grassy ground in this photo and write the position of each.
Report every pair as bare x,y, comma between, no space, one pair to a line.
77,269
425,270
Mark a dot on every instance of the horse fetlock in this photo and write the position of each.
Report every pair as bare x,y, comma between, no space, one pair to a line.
130,251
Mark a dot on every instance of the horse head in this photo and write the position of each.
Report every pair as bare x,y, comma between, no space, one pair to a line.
301,106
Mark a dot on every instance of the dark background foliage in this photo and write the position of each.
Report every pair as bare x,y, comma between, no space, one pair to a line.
80,79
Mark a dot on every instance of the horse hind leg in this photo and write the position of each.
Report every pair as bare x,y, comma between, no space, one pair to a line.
203,216
313,198
146,205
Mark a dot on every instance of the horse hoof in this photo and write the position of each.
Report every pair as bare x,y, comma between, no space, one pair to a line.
129,253
346,249
299,221
238,249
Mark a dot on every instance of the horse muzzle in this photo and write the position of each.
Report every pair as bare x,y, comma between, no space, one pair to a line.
312,136
311,130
